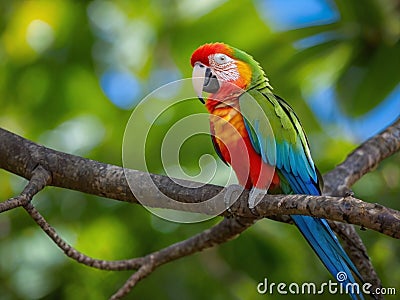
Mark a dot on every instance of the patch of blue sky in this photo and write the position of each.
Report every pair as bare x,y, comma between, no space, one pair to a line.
316,39
292,14
324,105
380,117
164,76
121,87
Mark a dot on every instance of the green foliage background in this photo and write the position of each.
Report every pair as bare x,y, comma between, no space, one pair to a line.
50,92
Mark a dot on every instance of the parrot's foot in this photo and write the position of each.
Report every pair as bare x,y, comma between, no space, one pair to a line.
232,193
255,196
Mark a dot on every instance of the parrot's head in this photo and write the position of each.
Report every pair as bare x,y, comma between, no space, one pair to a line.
217,67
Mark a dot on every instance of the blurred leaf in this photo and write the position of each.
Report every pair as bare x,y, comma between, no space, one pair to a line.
363,87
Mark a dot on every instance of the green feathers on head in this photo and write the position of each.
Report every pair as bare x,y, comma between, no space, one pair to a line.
258,79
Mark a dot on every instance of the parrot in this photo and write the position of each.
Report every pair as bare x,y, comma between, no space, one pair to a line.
259,135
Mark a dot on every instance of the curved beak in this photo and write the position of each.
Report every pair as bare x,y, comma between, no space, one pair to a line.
203,79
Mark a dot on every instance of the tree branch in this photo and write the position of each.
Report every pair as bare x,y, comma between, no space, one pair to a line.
338,182
40,178
345,209
357,252
73,172
25,158
75,254
224,231
218,234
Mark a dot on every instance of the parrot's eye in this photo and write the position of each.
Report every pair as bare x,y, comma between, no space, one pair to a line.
221,58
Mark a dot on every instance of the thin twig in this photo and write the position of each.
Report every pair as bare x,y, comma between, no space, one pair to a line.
220,233
12,203
71,252
143,272
205,239
40,178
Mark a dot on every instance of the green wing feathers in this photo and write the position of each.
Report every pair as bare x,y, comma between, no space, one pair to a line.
277,135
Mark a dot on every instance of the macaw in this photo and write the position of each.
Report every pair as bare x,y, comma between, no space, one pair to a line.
277,159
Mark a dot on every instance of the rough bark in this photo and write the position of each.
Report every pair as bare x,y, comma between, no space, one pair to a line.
43,166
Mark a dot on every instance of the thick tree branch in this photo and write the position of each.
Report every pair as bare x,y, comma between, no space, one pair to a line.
346,209
24,158
93,177
21,156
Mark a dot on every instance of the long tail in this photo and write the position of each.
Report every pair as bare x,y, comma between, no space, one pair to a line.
325,244
321,238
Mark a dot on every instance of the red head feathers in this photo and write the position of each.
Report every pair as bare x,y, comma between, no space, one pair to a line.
203,52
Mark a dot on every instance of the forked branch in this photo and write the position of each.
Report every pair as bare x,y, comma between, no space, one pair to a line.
43,166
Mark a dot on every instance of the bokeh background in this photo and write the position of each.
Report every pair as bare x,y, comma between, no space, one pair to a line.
72,72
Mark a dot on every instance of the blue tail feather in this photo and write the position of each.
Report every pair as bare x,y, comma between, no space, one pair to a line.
325,244
321,238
